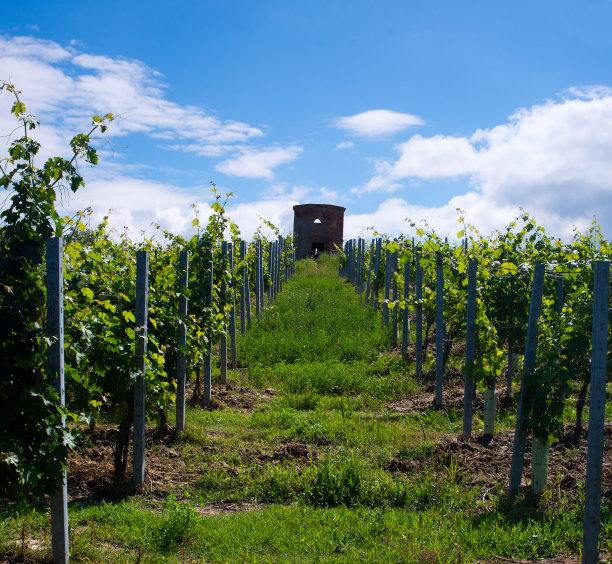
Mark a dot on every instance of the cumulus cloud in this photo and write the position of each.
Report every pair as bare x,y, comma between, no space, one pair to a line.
553,159
64,87
345,145
377,123
258,163
394,215
137,204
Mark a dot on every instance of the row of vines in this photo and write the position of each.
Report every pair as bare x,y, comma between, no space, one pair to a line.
101,334
494,300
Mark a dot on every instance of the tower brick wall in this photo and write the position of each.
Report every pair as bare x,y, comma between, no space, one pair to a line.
317,226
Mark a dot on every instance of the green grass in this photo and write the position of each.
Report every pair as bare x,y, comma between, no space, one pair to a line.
316,318
309,466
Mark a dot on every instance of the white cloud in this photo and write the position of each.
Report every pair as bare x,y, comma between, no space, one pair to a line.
392,215
377,123
345,145
64,87
259,163
553,159
137,203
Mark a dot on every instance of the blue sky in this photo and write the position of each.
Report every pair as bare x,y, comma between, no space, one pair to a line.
395,110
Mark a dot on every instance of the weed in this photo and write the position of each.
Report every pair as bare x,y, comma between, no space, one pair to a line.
176,526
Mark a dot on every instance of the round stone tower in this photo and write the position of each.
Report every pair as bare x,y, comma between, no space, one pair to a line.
317,227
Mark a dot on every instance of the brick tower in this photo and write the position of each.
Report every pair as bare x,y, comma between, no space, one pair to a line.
317,226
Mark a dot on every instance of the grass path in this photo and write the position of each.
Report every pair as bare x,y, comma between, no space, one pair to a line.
305,459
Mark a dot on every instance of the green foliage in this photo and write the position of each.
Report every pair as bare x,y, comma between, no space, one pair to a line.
33,444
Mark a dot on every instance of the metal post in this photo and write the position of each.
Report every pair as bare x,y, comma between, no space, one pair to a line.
376,278
369,284
232,327
531,343
394,295
597,406
470,341
60,546
244,296
181,361
439,328
223,340
207,392
385,310
418,345
406,312
257,278
140,403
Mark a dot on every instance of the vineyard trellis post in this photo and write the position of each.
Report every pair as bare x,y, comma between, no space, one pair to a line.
223,340
55,332
359,265
394,296
439,328
531,344
362,273
247,289
233,348
271,272
257,278
208,356
597,407
140,403
418,345
376,276
181,361
385,310
470,341
369,283
406,315
244,296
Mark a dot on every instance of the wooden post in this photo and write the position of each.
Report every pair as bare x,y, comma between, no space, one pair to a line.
140,403
418,314
223,340
60,546
181,361
470,341
531,343
597,405
207,387
234,350
406,312
439,329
